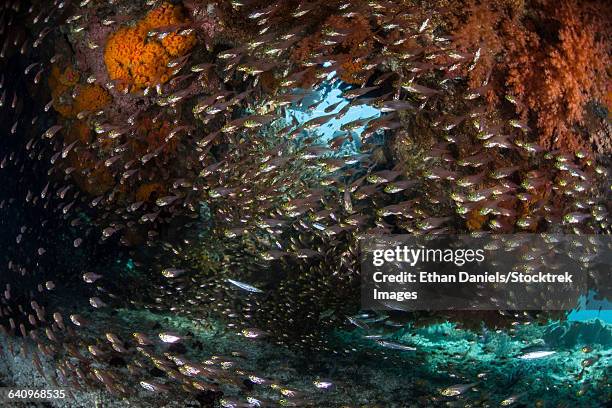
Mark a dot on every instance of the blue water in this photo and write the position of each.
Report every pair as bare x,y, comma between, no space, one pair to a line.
586,315
590,309
329,93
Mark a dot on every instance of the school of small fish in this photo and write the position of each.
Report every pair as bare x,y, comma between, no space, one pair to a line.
227,210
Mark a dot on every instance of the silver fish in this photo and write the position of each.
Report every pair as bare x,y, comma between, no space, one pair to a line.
245,286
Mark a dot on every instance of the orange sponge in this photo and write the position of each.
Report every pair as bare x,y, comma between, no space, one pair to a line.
64,86
139,61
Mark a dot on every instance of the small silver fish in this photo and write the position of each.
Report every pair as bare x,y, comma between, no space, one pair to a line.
168,337
245,286
252,333
163,201
323,385
96,302
49,133
91,277
536,354
154,387
77,320
511,400
172,272
457,389
395,346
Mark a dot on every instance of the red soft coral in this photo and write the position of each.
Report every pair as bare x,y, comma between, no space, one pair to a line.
551,57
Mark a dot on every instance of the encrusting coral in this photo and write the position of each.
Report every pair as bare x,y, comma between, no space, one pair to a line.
135,59
78,131
156,134
71,98
90,98
91,176
149,190
350,51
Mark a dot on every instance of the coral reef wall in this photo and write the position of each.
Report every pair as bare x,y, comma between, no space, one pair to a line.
167,221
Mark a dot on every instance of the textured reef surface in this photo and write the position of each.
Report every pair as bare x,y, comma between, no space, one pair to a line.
184,186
